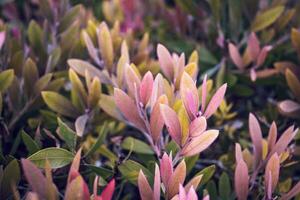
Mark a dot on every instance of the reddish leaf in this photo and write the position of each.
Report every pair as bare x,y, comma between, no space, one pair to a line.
253,46
108,190
256,137
2,38
197,126
241,180
176,179
165,61
144,187
156,120
235,56
156,188
189,95
262,55
284,140
192,195
289,108
215,101
172,123
272,172
132,79
238,153
35,178
166,168
272,137
75,166
128,108
77,190
146,88
199,143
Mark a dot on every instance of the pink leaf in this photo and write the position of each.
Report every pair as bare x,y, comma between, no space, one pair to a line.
128,108
235,56
156,188
146,192
241,180
172,123
262,56
197,126
156,120
272,137
215,101
256,137
182,193
272,172
108,190
253,46
158,89
199,143
2,38
204,94
146,88
192,195
238,152
176,179
132,79
166,168
284,140
253,74
289,107
165,61
75,166
77,189
189,95
35,178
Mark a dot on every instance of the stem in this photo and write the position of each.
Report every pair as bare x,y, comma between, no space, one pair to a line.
21,113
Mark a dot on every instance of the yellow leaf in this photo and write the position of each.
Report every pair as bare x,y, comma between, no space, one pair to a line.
266,18
293,83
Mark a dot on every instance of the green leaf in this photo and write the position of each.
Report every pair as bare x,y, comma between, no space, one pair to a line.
101,171
67,134
207,57
212,190
190,162
100,139
30,75
104,151
69,18
11,176
42,83
1,103
35,36
266,18
224,186
6,79
242,90
216,9
207,173
136,145
57,157
130,170
30,144
60,104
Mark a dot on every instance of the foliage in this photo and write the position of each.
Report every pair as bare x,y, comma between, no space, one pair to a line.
128,99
